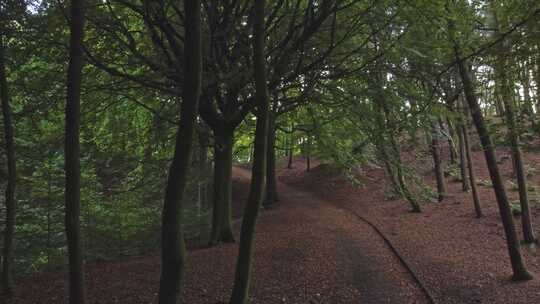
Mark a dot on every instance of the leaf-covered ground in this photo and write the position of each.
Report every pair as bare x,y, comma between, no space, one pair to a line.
311,249
459,258
307,251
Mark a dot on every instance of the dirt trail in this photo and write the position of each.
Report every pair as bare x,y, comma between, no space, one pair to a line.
343,259
307,251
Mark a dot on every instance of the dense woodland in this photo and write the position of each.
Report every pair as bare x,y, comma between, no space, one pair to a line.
123,119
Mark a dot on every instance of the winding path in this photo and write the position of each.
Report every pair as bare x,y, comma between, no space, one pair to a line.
342,259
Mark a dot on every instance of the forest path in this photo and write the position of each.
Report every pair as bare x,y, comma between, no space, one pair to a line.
342,259
307,251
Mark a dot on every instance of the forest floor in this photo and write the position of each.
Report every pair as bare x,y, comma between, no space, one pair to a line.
457,257
312,248
307,251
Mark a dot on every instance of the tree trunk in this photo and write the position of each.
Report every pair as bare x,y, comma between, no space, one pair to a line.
527,98
204,143
308,152
290,161
513,137
271,179
504,83
450,138
468,154
172,240
222,213
537,81
437,161
392,158
243,265
291,148
518,266
217,197
72,155
462,158
7,254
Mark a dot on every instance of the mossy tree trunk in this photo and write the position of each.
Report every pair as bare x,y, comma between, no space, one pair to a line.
172,241
240,294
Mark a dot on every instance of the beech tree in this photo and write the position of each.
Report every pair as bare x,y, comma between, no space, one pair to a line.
247,235
172,239
7,252
72,153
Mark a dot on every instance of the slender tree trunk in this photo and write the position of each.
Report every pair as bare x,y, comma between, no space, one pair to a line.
291,148
72,155
222,213
290,160
506,93
518,266
204,143
9,230
243,265
527,98
271,180
470,164
226,232
450,139
308,153
437,161
217,197
463,158
172,240
513,136
392,158
537,81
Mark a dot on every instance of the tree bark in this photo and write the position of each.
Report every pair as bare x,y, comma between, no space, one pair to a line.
72,154
7,254
290,160
504,84
465,186
222,213
537,81
470,165
291,148
172,240
243,264
527,98
437,161
271,196
518,266
450,139
204,143
392,158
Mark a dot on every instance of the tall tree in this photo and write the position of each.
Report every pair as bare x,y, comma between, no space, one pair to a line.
72,154
518,266
506,91
464,122
437,161
7,253
256,191
172,239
